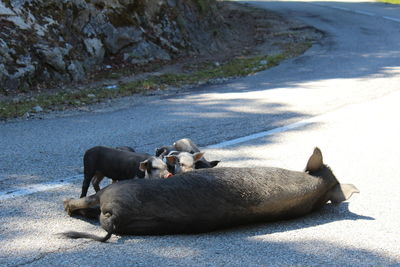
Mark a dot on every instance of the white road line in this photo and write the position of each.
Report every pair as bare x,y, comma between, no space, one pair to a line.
338,7
263,134
391,18
34,188
361,12
364,13
30,189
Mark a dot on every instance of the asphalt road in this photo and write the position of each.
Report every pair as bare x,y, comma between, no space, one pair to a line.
342,95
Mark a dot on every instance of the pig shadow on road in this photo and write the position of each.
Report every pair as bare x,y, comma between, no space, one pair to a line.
327,214
253,245
223,251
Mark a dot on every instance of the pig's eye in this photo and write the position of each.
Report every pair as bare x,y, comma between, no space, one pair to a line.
153,170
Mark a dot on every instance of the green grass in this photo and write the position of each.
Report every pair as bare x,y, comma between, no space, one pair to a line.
202,5
390,1
240,66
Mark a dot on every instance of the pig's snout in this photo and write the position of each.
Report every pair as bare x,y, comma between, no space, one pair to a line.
168,175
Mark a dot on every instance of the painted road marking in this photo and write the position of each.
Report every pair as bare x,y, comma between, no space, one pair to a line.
264,134
364,13
30,189
34,188
361,12
391,18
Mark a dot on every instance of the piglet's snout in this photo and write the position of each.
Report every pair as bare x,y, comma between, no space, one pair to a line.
168,175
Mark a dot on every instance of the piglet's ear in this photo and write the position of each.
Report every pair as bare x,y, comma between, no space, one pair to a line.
160,151
171,159
143,165
197,156
214,163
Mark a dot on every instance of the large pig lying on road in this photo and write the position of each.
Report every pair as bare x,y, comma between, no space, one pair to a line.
210,199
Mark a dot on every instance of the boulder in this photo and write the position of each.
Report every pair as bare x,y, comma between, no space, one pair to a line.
75,69
145,52
50,42
94,47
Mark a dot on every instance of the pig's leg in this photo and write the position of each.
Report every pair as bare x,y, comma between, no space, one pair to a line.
96,181
81,203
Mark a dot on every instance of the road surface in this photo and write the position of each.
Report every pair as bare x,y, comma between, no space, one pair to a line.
342,95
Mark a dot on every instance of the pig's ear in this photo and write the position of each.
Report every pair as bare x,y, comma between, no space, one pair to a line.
342,192
197,156
315,162
160,151
171,159
214,163
143,165
179,145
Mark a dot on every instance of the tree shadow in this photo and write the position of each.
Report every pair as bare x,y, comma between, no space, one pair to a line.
199,117
363,53
356,51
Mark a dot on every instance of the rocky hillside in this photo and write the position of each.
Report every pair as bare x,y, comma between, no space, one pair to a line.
49,42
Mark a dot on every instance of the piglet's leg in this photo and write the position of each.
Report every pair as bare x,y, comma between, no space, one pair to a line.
96,181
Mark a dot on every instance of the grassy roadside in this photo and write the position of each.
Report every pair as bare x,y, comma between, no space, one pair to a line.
240,66
390,1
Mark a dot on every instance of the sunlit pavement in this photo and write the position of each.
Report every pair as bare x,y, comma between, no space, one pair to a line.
350,110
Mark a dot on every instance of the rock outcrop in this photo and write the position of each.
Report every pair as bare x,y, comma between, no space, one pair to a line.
49,42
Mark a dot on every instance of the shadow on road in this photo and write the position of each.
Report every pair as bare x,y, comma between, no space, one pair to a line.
349,52
205,114
252,245
355,45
